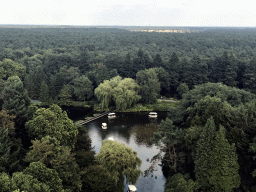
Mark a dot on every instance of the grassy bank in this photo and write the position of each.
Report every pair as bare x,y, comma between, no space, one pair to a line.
158,106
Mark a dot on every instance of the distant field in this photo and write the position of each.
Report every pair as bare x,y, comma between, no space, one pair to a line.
164,31
158,29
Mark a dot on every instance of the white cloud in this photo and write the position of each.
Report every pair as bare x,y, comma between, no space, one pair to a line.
132,12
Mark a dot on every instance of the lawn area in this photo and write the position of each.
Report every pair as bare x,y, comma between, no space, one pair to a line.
158,106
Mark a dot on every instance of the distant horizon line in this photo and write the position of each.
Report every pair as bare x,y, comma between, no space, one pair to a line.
65,25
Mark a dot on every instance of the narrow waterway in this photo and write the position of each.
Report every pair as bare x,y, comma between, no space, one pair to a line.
134,130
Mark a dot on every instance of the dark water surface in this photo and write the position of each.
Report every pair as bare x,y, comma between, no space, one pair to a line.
134,130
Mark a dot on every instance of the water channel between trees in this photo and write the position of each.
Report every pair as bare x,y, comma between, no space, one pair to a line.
134,130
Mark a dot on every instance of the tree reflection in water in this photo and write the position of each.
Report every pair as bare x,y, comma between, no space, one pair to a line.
143,133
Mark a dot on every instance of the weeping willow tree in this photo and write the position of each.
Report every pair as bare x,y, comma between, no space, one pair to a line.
120,160
124,92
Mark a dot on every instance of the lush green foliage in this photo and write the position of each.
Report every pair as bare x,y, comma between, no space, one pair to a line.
15,98
224,174
203,153
149,85
55,123
9,68
45,175
168,139
210,68
119,160
44,92
124,92
57,157
83,89
182,183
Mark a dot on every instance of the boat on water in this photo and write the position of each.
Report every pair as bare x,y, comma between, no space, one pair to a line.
111,138
152,115
131,188
111,115
104,126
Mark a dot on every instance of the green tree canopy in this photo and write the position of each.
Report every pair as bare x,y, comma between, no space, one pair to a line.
83,88
53,155
53,122
66,93
44,92
26,182
9,145
15,98
182,89
69,74
97,178
119,160
224,168
45,175
149,84
212,95
253,148
203,154
164,79
169,139
181,183
9,68
5,182
124,93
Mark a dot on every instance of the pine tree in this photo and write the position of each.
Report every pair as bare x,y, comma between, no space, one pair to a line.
127,68
5,149
199,71
158,62
230,72
173,68
203,154
139,61
224,166
253,148
16,99
9,147
250,76
44,92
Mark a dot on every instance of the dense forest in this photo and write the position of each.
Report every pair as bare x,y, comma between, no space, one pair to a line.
208,142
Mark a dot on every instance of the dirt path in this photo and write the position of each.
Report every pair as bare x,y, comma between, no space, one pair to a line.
168,100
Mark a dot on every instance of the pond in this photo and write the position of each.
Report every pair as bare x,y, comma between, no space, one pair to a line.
134,130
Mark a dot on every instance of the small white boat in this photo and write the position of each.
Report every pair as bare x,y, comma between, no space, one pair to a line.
111,115
111,138
104,126
131,188
152,114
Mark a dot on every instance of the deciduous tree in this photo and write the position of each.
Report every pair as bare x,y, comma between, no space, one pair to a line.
83,88
9,68
45,175
53,122
50,152
181,183
119,160
125,94
149,84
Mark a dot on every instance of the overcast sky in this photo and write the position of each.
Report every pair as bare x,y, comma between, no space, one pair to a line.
130,12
